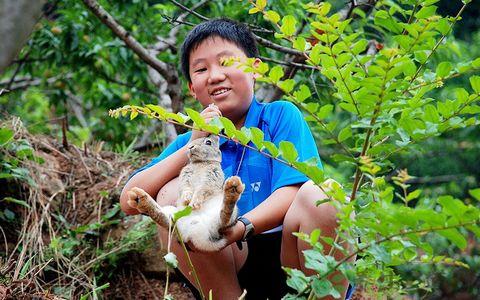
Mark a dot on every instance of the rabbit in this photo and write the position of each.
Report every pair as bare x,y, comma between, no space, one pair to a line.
202,187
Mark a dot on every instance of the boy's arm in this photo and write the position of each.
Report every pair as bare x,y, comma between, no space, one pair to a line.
271,212
154,178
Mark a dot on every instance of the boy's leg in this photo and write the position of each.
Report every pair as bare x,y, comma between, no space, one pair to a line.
304,216
217,271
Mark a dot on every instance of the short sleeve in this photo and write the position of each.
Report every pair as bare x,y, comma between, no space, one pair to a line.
178,143
287,124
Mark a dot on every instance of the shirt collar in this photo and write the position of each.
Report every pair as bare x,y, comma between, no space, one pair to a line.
253,116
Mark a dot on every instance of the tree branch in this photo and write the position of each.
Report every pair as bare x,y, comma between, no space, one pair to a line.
125,36
168,71
259,39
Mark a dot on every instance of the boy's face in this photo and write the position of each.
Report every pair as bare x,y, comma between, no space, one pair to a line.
228,87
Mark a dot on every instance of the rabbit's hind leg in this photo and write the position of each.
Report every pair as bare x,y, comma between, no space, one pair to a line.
144,203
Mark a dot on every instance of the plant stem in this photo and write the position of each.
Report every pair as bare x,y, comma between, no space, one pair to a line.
169,243
197,280
438,44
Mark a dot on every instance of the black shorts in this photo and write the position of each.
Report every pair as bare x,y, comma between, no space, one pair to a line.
261,275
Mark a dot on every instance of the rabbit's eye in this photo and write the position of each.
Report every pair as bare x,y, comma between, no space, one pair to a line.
208,142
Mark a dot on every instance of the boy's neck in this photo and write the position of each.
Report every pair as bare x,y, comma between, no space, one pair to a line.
239,124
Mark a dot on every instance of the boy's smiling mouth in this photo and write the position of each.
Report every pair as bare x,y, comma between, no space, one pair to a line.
219,91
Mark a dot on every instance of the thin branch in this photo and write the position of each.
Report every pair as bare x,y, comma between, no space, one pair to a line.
390,237
272,45
438,43
168,71
191,11
289,63
17,69
366,143
202,17
259,39
125,36
25,83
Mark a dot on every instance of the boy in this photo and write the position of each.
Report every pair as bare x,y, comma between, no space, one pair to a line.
275,194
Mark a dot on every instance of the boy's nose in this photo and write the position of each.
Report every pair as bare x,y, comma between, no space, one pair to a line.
216,75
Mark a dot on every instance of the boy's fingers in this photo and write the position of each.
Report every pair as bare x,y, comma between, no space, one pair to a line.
212,108
210,116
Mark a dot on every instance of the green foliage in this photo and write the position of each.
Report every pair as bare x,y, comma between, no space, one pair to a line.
389,100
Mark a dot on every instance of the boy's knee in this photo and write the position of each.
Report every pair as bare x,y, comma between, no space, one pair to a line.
307,197
168,194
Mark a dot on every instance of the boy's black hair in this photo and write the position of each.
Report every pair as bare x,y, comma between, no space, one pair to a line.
227,29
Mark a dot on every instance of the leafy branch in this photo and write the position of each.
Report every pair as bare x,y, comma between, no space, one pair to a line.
285,149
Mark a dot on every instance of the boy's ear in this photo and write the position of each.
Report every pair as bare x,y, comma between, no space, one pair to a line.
256,63
192,91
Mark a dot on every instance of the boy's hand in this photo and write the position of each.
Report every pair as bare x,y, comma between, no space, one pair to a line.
208,114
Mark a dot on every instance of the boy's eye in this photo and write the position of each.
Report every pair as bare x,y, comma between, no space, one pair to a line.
208,142
200,70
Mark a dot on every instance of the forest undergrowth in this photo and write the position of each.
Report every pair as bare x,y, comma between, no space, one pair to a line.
67,237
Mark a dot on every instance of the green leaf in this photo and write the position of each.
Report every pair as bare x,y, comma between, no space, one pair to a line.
257,137
195,117
228,127
182,213
475,193
443,26
344,134
297,280
133,114
175,117
276,73
242,136
300,44
261,4
6,135
271,148
382,18
272,16
475,82
171,260
253,10
443,69
302,93
286,85
426,12
288,25
454,236
359,46
323,287
325,111
476,63
314,236
413,195
16,201
421,55
288,151
431,114
158,109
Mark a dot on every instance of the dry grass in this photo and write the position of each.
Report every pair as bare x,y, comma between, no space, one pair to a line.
70,189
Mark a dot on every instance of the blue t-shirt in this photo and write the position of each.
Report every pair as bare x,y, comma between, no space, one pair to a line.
280,120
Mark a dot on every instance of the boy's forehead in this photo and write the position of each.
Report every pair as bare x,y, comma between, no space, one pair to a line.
215,46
